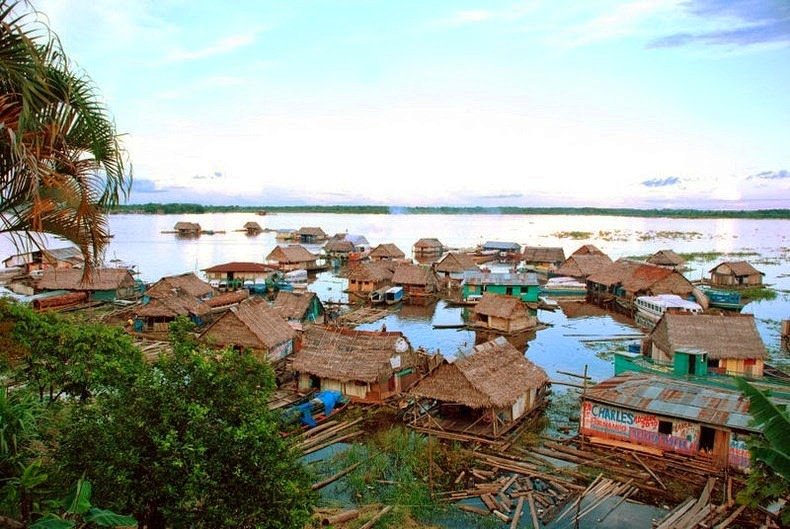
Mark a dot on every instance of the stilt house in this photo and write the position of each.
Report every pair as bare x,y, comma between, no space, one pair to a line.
735,274
104,284
505,314
386,252
417,281
292,257
544,259
367,277
667,259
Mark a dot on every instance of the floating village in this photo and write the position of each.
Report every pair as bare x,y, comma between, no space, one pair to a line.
661,443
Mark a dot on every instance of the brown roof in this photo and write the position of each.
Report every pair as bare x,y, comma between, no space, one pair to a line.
250,324
293,253
375,271
228,298
339,246
720,336
583,265
410,274
387,250
252,226
456,262
543,254
494,375
500,306
100,279
738,268
188,283
633,277
665,258
293,305
175,304
311,230
187,226
428,243
344,354
588,249
239,266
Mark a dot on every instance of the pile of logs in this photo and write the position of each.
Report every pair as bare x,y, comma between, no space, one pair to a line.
326,434
702,512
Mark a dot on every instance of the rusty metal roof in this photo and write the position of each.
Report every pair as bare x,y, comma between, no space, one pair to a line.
675,398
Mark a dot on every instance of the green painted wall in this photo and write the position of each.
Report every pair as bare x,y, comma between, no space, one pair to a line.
103,295
682,361
527,293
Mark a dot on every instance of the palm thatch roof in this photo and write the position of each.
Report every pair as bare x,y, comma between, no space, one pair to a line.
252,324
293,253
188,283
311,231
456,262
171,306
428,243
494,375
543,254
293,305
720,336
252,226
666,258
339,246
411,274
239,267
634,277
583,265
228,298
588,249
387,250
376,271
100,279
736,268
500,306
345,354
187,226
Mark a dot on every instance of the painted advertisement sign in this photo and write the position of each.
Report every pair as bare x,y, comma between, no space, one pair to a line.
738,456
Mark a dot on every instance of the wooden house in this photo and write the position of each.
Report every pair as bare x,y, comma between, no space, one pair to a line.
417,281
159,312
252,325
500,313
299,307
735,274
237,274
311,235
504,251
187,229
364,278
292,257
588,249
339,249
364,365
483,394
428,248
187,283
708,343
580,266
104,284
386,252
46,259
626,280
668,259
544,259
227,299
252,228
664,414
523,286
453,266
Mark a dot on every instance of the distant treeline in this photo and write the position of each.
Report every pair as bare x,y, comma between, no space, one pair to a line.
179,208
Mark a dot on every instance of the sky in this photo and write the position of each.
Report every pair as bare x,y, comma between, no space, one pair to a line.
645,103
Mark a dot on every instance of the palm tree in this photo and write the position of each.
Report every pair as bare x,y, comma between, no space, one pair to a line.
62,166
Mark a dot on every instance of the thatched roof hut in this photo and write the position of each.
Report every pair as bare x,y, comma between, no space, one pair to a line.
187,228
429,244
173,305
666,258
456,263
340,246
104,283
735,273
187,283
502,313
375,272
733,336
494,375
580,266
545,255
386,251
298,306
634,278
293,254
252,227
588,249
228,298
411,275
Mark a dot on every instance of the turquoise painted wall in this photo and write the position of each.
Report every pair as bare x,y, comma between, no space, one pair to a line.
527,293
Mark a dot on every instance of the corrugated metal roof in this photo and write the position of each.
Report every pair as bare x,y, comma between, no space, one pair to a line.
479,278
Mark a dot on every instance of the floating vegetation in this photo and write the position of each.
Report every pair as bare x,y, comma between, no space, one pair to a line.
616,235
701,256
673,235
575,235
758,293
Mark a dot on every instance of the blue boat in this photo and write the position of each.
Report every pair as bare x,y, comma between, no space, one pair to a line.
723,299
393,295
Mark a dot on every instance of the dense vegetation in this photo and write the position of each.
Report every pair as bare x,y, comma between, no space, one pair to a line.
186,441
179,208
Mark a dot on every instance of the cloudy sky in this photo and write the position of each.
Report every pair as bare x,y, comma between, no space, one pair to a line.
646,103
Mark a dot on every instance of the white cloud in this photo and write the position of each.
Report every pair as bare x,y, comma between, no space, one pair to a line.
220,47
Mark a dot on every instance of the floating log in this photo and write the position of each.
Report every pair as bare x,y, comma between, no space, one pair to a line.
473,509
658,480
517,514
533,511
334,477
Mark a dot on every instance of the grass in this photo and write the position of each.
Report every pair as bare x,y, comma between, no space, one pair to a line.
758,293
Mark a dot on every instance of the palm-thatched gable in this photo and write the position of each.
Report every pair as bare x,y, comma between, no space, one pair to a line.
367,277
543,255
502,313
386,251
416,280
735,273
187,283
298,306
666,258
291,257
629,279
588,249
580,266
187,228
456,263
159,312
104,284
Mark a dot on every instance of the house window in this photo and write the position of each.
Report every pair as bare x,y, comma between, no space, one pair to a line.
509,291
713,362
665,427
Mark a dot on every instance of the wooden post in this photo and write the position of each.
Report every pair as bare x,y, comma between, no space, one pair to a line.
581,411
430,466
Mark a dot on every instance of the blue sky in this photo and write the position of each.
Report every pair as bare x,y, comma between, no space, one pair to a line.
646,103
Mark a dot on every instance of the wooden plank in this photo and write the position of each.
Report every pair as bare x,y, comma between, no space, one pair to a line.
533,511
376,518
334,477
517,514
658,480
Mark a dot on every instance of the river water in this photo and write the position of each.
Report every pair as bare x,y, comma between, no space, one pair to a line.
566,344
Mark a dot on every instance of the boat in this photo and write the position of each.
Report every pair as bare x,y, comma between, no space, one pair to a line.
393,295
312,410
378,296
653,307
723,299
564,286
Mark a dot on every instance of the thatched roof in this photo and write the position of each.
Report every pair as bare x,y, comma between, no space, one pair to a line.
311,231
188,283
240,267
665,258
339,246
428,243
633,277
583,265
720,336
100,279
543,254
500,306
173,305
736,268
455,262
250,324
344,354
228,298
588,249
375,271
252,226
293,305
495,375
293,253
187,226
411,274
386,250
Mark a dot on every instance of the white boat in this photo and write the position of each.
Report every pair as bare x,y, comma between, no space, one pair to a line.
564,286
378,296
653,307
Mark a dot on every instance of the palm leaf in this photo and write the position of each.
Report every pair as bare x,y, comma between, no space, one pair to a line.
774,422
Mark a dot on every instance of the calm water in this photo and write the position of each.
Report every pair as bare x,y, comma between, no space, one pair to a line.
563,345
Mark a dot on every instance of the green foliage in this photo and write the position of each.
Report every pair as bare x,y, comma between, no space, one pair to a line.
190,443
758,293
78,512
